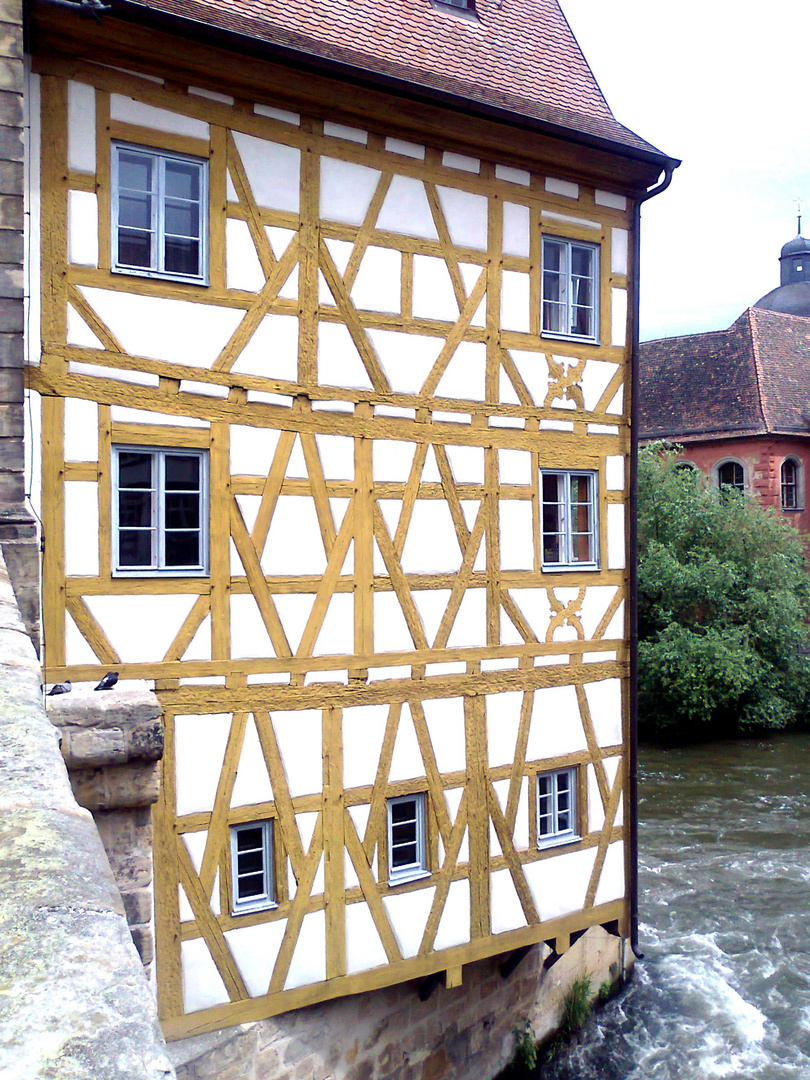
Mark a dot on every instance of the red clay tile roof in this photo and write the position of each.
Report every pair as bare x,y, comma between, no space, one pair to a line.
753,378
517,55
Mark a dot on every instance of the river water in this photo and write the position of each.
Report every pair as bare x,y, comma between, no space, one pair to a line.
724,987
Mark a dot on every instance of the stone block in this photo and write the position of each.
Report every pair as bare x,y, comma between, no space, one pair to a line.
11,40
11,245
12,312
11,209
12,75
11,11
11,172
11,280
144,942
138,906
83,748
11,420
111,787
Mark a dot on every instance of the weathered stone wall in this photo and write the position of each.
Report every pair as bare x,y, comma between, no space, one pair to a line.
18,533
112,743
465,1033
75,1004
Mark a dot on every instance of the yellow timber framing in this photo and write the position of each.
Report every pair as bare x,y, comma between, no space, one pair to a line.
552,427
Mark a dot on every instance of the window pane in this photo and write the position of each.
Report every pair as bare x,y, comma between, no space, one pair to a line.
182,219
135,211
250,887
182,549
134,470
403,833
183,180
134,509
135,171
135,249
403,811
553,256
581,261
182,472
182,511
251,862
135,547
404,856
182,256
249,839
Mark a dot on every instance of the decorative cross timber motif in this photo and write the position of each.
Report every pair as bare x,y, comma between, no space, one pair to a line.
565,374
565,614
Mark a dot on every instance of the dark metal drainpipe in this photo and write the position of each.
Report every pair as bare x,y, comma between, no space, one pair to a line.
634,414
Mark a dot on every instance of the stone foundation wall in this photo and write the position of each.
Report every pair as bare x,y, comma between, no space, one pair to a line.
464,1033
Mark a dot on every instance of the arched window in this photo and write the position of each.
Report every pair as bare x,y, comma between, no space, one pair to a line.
686,467
791,488
731,475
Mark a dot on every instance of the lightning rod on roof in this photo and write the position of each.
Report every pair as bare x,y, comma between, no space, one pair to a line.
799,215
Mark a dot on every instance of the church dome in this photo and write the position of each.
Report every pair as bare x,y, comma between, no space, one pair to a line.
793,295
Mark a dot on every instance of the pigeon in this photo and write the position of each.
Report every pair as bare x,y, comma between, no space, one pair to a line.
60,688
108,682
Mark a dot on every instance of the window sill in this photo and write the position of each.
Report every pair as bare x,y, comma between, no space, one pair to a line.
406,879
147,573
251,909
558,841
792,509
156,275
569,337
567,568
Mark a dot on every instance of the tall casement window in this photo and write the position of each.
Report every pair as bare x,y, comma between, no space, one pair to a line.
791,490
252,884
569,526
731,475
570,289
159,209
407,838
160,511
557,807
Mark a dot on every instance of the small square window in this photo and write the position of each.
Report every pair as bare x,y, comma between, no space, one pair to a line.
252,867
407,835
160,512
569,525
570,289
557,807
159,214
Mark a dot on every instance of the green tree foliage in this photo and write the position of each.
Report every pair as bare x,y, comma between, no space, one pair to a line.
724,607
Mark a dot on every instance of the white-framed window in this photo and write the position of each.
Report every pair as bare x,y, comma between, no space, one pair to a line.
557,807
159,214
407,838
160,511
252,867
570,289
792,495
569,519
731,474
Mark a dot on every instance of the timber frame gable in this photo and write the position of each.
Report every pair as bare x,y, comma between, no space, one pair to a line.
365,375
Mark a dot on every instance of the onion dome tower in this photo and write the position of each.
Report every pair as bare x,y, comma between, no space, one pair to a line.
793,295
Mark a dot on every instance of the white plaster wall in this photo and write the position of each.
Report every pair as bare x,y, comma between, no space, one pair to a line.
363,733
466,463
339,362
337,457
562,187
272,169
515,298
559,884
611,883
391,633
83,228
203,987
614,472
364,949
299,740
445,724
341,131
141,628
252,783
615,536
32,238
284,115
465,375
517,540
596,812
618,316
346,190
503,722
608,198
407,149
470,626
377,286
533,369
249,637
244,270
308,964
406,210
515,467
294,544
407,359
136,112
461,161
78,332
272,351
594,605
594,381
200,743
144,416
535,607
516,229
431,605
466,216
81,127
406,760
408,914
618,250
431,545
81,528
81,430
512,175
162,329
605,701
556,726
507,912
255,950
454,924
77,651
336,634
433,296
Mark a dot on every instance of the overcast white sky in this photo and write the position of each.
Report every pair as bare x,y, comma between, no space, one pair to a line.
725,86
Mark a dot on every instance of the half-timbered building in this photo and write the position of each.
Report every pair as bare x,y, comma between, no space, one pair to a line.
331,332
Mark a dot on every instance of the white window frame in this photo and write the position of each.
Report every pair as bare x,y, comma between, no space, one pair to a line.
567,246
569,563
799,485
266,900
557,837
730,461
419,868
158,567
158,216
